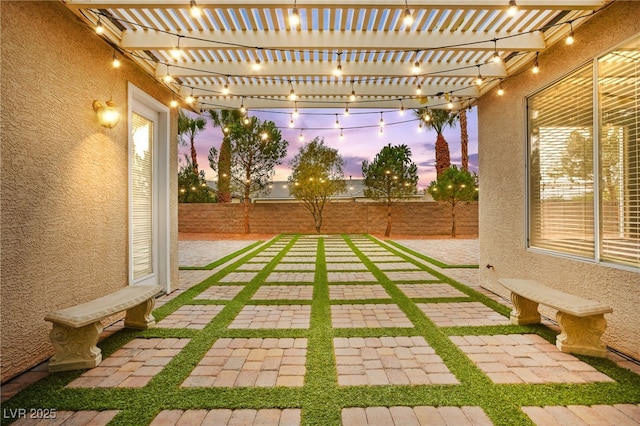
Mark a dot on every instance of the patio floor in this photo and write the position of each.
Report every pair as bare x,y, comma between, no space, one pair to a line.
330,330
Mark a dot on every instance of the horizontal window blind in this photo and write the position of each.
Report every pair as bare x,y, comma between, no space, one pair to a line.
561,159
142,196
619,154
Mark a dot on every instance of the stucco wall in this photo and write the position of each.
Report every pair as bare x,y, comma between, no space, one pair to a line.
411,218
64,178
502,147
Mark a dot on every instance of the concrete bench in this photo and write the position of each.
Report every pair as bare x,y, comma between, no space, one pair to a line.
581,320
76,329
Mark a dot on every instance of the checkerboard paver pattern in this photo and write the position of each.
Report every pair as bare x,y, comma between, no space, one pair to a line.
343,277
133,365
429,291
284,292
389,361
290,277
191,316
93,418
273,316
526,358
415,416
357,291
462,314
409,276
596,415
238,277
221,417
220,292
233,362
368,315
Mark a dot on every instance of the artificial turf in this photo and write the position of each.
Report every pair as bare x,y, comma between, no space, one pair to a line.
321,399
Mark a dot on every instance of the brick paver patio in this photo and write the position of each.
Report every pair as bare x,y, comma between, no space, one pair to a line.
231,347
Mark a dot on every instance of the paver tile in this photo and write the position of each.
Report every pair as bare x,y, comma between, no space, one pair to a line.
409,276
191,316
338,277
357,291
417,291
238,277
355,266
284,292
462,314
396,266
368,315
420,415
515,359
220,292
273,316
290,277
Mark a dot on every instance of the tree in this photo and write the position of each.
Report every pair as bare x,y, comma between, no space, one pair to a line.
256,149
390,176
222,119
438,120
192,185
464,139
453,186
190,127
316,175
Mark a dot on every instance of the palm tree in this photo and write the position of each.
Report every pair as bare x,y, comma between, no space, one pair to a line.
190,127
464,139
439,119
222,119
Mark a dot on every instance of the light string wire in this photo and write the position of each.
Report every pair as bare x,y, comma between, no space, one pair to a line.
109,17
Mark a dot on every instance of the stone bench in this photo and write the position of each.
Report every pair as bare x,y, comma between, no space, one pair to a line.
76,329
581,320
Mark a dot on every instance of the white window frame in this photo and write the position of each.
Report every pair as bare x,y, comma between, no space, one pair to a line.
137,96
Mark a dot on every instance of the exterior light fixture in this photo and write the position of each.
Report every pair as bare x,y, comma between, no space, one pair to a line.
195,9
294,19
108,115
408,17
569,40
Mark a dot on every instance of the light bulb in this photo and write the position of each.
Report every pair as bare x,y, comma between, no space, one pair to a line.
294,19
353,95
99,26
195,9
292,95
338,70
408,18
225,89
513,8
174,103
176,52
535,69
418,89
569,40
500,91
300,137
479,80
295,113
257,65
341,135
337,122
496,58
346,111
190,99
416,67
116,62
167,78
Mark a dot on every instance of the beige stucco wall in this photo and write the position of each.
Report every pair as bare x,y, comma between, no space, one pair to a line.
502,147
64,178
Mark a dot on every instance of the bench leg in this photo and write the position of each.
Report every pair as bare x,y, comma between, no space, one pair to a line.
140,317
581,335
75,347
524,311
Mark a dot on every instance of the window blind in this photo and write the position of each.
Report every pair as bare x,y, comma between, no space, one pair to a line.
142,196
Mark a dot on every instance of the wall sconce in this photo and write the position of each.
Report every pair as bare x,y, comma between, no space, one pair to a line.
108,115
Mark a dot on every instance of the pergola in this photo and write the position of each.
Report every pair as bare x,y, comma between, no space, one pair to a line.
231,54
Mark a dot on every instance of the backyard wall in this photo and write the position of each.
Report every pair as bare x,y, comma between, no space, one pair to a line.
414,218
64,184
502,147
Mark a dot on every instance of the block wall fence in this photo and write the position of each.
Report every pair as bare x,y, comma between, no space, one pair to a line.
408,218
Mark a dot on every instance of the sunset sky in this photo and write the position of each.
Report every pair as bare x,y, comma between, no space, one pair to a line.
362,139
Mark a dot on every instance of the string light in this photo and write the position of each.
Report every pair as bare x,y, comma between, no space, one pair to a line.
225,89
341,135
247,120
337,122
569,40
301,136
496,57
381,120
338,70
294,19
353,94
513,8
346,110
257,65
536,68
176,52
173,103
292,93
295,110
190,99
242,107
479,79
416,67
291,124
401,107
167,77
264,136
116,62
419,89
99,26
195,9
427,116
449,101
500,89
408,17
420,127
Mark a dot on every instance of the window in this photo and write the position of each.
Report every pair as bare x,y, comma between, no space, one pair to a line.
584,197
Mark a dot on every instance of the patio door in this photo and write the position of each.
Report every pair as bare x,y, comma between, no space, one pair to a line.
148,191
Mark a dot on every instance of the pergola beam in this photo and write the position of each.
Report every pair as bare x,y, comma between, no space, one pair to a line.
332,40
